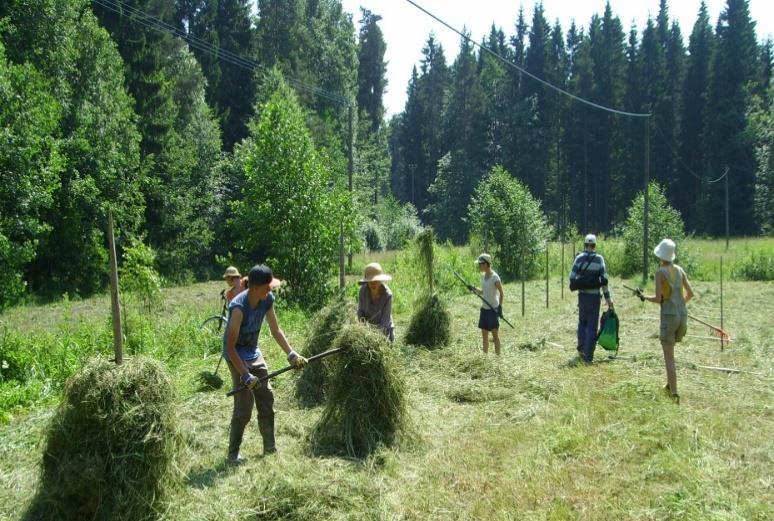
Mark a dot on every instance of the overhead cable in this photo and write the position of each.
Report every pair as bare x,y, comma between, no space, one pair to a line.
151,22
524,71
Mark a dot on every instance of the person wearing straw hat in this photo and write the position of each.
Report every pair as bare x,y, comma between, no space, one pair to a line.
492,292
589,266
237,284
245,360
374,303
670,282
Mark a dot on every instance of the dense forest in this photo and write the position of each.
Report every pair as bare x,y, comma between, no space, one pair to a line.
184,117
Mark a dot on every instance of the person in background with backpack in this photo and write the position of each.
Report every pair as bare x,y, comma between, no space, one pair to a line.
670,282
588,276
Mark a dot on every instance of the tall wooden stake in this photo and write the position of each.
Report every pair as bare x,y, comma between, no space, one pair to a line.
118,339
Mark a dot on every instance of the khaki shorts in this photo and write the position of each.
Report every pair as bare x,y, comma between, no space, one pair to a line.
673,328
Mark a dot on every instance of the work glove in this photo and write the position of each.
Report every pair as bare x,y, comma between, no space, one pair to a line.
297,360
249,380
639,294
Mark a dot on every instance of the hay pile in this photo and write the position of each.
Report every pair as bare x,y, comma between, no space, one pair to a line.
430,325
366,403
110,447
326,324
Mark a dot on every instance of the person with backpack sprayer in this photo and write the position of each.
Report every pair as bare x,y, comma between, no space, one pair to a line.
670,282
249,371
588,276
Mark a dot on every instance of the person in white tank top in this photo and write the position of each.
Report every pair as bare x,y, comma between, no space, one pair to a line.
492,293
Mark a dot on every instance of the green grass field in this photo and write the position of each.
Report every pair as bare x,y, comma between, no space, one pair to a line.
524,436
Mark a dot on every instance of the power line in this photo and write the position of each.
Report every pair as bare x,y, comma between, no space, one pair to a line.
219,53
523,71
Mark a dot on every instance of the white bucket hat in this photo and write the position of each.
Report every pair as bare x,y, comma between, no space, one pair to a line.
484,257
374,273
665,250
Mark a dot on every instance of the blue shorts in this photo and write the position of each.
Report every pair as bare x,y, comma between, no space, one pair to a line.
488,320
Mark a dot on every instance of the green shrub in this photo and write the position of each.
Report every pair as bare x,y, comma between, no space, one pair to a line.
138,275
509,223
756,266
664,222
372,236
399,222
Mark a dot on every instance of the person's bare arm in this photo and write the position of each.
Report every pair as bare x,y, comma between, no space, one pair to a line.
499,287
232,334
688,288
656,299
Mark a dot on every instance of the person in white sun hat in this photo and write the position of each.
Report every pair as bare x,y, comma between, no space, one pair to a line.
588,276
671,280
374,303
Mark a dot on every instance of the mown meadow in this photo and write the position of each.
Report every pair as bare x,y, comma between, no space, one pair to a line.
528,435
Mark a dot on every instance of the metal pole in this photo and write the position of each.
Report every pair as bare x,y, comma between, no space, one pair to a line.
522,284
722,325
546,274
727,208
118,339
646,202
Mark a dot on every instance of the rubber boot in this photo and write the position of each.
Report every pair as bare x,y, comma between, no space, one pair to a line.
234,442
266,426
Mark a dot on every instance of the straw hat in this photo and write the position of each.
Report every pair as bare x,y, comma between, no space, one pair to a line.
231,271
374,273
665,250
484,257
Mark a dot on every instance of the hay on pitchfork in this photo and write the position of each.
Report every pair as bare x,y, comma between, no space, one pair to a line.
326,324
111,446
366,403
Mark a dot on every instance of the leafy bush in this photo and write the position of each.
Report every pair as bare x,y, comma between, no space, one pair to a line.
372,235
664,222
398,221
756,266
508,223
138,275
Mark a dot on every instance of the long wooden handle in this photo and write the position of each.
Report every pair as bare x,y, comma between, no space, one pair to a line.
285,369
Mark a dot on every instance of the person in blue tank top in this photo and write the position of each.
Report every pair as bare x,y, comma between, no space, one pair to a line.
246,313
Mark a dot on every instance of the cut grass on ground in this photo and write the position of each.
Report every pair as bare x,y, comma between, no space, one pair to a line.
524,436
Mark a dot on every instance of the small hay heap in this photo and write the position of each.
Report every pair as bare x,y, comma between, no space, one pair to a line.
326,324
366,403
430,325
110,447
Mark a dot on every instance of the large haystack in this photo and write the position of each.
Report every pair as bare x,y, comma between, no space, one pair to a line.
111,445
366,403
326,324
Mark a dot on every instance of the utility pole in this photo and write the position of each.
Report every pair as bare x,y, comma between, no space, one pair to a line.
118,339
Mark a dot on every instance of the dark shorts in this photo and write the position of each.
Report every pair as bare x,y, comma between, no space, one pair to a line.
488,320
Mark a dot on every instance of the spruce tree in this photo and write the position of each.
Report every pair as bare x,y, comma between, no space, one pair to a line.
735,68
371,73
694,117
